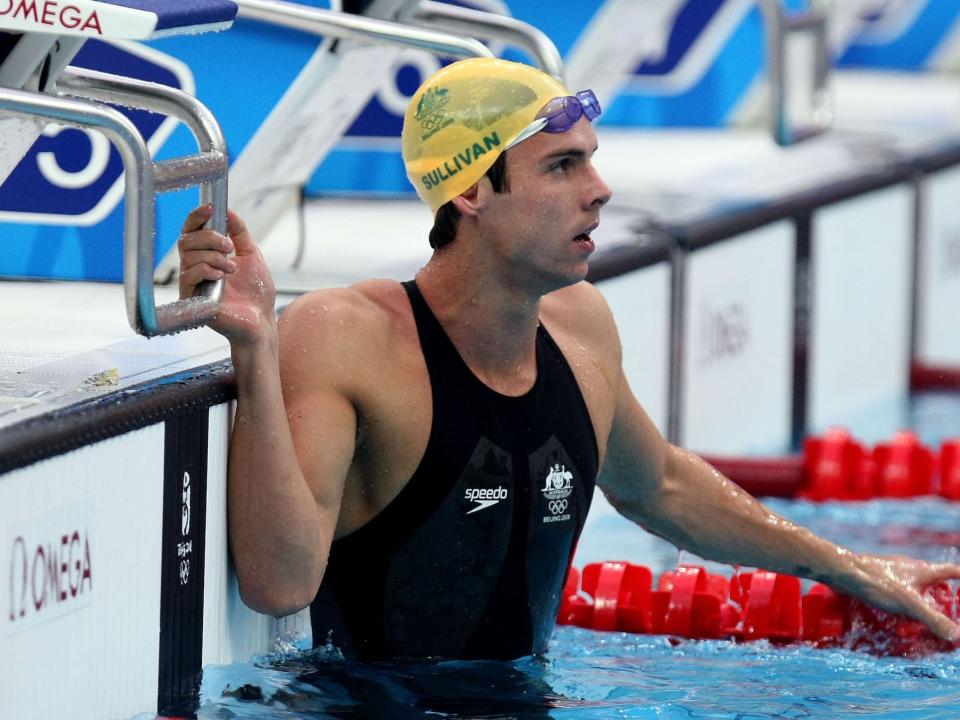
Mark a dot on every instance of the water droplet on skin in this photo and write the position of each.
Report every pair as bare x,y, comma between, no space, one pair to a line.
312,311
325,308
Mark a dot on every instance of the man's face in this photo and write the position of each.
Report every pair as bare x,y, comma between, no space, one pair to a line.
540,228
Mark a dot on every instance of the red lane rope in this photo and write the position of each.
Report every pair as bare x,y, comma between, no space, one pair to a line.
835,466
932,377
769,477
691,603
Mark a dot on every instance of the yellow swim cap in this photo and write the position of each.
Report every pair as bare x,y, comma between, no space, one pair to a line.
461,119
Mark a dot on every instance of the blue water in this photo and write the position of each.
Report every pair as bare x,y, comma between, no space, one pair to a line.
590,675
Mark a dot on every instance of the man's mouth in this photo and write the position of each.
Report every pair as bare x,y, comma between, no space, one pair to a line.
585,235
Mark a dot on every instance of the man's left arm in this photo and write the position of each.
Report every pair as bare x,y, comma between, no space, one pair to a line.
675,494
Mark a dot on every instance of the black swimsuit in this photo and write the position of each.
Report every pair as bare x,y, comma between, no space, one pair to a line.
468,561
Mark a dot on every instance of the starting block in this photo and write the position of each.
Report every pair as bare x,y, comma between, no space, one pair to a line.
38,40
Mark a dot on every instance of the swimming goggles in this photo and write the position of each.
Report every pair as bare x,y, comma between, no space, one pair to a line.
560,114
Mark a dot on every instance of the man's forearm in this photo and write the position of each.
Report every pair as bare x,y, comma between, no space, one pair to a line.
694,506
276,536
700,510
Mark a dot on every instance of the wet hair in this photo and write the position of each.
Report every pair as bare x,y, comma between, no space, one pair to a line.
444,228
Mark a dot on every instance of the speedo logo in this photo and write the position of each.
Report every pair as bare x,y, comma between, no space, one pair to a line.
485,497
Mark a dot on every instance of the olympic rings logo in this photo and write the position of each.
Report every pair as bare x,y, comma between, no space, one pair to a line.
433,120
557,506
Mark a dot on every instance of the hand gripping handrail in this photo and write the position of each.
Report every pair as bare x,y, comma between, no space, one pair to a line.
353,27
488,26
142,178
781,26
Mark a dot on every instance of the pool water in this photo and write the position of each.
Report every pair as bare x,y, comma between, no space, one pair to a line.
590,675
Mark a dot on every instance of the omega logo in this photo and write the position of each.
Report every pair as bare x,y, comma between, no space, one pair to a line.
49,12
49,575
724,333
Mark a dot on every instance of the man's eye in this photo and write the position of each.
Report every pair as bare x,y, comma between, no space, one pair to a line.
561,164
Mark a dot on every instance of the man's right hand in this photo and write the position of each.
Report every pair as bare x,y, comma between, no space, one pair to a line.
247,308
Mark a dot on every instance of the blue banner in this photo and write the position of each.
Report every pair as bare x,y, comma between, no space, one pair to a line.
906,37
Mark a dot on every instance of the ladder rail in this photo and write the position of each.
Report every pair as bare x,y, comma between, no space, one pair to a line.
489,26
355,27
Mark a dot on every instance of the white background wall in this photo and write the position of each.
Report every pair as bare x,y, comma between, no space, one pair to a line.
860,321
738,343
938,340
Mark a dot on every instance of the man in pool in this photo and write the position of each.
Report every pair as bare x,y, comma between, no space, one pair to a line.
415,461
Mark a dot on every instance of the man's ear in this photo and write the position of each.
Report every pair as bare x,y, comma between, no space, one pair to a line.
470,201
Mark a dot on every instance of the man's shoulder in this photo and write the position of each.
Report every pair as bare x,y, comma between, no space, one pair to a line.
580,310
579,317
360,308
347,327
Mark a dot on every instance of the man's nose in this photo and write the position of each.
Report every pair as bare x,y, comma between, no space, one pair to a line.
600,192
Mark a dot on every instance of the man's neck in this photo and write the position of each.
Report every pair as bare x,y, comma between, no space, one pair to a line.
492,325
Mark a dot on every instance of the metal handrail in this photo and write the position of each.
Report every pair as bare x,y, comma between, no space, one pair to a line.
488,26
353,27
86,110
779,25
138,192
208,170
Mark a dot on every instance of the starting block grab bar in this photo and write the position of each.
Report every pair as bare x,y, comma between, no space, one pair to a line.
354,27
489,26
36,84
798,67
143,178
207,170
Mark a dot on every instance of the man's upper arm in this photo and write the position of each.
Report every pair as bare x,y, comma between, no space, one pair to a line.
636,454
316,392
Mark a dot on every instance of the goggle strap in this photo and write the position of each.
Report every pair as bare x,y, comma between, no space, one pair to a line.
530,130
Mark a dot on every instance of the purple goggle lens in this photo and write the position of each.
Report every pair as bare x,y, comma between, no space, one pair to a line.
562,112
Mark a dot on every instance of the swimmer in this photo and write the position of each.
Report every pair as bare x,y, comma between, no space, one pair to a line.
415,461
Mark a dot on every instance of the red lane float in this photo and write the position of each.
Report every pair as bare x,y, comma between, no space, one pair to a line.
835,466
691,603
950,469
904,467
